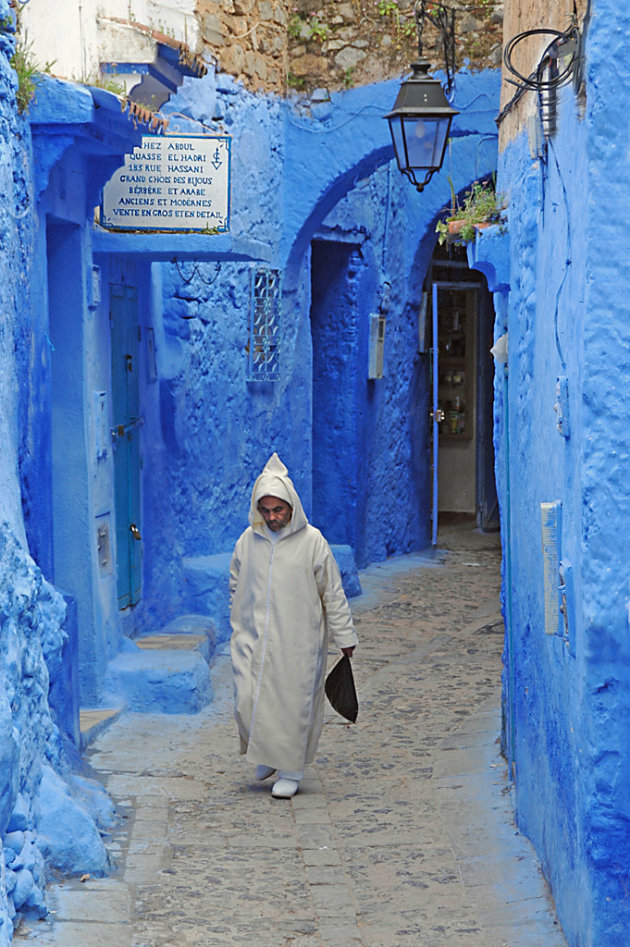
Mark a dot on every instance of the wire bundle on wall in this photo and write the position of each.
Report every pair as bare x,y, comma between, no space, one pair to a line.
547,77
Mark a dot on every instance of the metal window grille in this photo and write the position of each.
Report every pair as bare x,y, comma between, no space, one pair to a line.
264,361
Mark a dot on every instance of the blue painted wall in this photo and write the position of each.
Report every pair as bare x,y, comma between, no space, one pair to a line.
566,695
206,429
47,813
319,186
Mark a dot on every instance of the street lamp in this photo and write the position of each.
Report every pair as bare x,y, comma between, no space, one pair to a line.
421,118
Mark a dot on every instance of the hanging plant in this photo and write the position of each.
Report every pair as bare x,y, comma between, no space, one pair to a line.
482,206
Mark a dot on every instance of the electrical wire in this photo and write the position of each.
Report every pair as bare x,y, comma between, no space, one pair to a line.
534,81
316,130
195,272
567,262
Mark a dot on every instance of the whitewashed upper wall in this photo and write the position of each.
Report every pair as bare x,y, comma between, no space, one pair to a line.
77,35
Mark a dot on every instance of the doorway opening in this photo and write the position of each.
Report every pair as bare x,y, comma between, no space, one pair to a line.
338,353
462,320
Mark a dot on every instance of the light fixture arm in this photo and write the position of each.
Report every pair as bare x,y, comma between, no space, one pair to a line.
421,118
443,19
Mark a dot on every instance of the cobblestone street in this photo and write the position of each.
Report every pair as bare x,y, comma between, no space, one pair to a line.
402,833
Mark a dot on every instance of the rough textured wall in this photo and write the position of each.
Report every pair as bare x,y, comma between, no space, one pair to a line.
342,225
341,43
213,448
42,823
376,428
545,709
567,704
278,46
248,38
605,469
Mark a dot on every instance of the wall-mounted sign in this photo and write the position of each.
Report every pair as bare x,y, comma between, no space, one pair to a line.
171,183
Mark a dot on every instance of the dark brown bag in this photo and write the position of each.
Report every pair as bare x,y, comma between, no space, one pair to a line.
340,690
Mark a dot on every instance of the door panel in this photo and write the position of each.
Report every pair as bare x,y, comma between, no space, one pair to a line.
126,433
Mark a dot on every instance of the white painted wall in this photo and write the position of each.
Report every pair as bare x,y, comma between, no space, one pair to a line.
77,35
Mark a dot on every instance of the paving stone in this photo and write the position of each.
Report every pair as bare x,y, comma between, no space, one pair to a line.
339,933
71,934
314,857
325,875
316,836
106,905
402,834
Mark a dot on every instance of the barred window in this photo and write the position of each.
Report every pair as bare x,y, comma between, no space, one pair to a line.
264,362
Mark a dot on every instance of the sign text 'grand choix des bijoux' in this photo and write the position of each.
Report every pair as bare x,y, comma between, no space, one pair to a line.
171,183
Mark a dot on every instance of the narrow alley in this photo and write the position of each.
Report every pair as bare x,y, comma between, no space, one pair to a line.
402,833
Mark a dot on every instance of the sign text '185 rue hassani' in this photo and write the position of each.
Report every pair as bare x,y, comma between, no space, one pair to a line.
171,183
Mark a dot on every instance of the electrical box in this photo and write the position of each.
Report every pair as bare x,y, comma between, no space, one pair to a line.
103,545
377,345
94,287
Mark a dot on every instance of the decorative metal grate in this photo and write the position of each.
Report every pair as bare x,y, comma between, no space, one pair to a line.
264,361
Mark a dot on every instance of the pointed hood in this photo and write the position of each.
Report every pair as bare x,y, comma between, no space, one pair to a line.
274,481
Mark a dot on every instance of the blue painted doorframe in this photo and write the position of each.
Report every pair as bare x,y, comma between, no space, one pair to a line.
126,433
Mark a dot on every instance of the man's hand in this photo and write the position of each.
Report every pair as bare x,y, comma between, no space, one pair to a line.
348,651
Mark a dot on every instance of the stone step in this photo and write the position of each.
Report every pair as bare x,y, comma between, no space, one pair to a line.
92,722
187,633
153,680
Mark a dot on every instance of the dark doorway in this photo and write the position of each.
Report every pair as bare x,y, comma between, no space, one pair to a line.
338,352
465,373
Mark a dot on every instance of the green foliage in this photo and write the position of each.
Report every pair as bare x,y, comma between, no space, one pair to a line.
27,72
481,204
348,80
312,28
295,82
318,30
109,82
295,26
404,27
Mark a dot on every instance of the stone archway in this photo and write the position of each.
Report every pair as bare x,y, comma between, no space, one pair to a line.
377,431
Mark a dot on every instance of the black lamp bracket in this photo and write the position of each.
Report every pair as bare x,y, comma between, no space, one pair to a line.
441,18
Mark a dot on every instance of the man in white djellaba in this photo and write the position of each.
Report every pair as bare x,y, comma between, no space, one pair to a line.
287,601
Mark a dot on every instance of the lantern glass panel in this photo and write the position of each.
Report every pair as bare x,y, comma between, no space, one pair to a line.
425,138
398,137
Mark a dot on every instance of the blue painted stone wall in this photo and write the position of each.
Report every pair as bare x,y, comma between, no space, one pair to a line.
46,815
301,174
567,703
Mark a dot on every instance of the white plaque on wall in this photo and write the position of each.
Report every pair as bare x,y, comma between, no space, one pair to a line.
171,183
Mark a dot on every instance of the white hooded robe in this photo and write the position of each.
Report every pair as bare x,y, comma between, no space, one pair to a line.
287,600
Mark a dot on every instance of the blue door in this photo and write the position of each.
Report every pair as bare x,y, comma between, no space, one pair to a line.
126,436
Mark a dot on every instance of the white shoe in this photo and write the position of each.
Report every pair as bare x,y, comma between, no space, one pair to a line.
284,788
263,772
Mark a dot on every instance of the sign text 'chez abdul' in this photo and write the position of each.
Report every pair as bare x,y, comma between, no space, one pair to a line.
171,183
